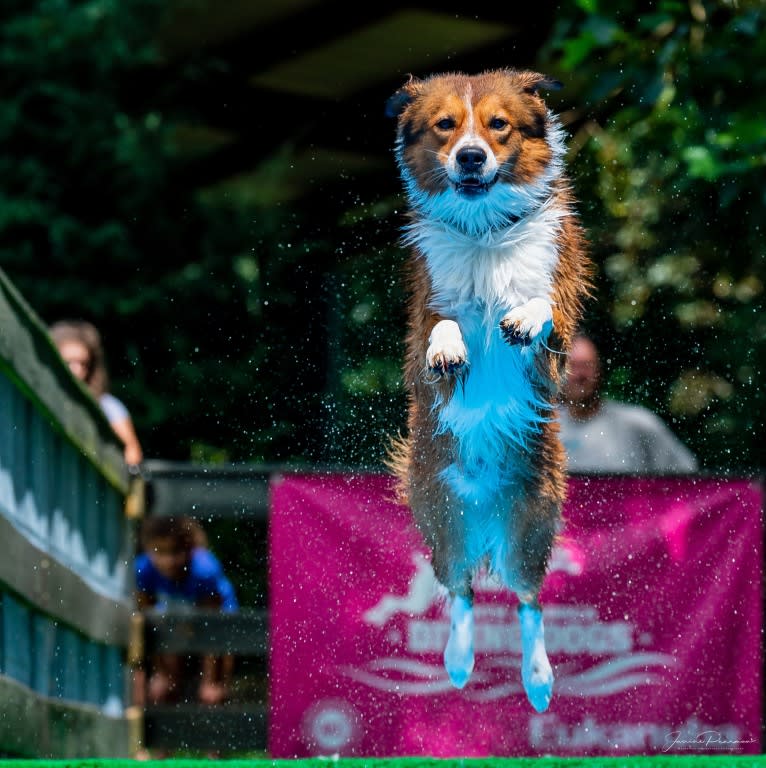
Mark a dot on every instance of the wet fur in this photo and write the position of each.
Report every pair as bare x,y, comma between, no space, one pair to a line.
481,465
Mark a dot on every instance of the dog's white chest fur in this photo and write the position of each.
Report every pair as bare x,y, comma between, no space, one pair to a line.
503,270
475,284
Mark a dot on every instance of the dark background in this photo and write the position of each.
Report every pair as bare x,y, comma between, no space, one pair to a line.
213,184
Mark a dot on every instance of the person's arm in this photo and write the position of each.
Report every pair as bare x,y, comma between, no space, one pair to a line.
217,671
215,679
143,601
122,424
125,430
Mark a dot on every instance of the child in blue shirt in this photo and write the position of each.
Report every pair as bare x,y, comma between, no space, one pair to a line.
176,571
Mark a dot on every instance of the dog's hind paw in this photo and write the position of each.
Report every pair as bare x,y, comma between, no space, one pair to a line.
458,655
538,684
536,672
459,674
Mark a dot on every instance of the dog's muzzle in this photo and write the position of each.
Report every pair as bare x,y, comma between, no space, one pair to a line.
471,162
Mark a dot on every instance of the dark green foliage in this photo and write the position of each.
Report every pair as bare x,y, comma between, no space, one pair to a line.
670,151
98,219
245,328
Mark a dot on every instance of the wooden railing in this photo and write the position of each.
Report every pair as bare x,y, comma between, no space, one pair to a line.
65,556
206,493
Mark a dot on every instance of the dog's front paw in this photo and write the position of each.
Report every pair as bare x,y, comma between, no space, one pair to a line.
444,361
524,324
513,334
446,353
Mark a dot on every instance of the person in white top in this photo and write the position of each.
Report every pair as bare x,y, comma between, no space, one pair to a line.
79,344
602,435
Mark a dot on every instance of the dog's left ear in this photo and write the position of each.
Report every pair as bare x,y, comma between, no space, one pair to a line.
396,103
535,82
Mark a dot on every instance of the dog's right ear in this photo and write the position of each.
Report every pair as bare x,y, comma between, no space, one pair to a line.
396,103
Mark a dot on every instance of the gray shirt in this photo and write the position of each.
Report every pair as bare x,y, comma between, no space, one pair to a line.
623,438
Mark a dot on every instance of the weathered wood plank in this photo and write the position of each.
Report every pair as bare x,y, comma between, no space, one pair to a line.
229,727
59,592
176,488
241,634
39,727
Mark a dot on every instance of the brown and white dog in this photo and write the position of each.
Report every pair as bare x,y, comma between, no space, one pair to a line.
498,276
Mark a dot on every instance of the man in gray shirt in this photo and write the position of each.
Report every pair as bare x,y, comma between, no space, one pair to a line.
602,435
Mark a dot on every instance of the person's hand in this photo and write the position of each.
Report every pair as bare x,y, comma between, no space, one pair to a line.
212,693
161,686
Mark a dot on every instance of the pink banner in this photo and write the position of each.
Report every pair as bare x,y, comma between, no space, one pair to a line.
652,623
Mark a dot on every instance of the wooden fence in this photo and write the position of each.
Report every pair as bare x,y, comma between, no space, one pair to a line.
208,493
65,556
69,631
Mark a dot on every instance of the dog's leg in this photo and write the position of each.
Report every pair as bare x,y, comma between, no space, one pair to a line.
458,654
536,672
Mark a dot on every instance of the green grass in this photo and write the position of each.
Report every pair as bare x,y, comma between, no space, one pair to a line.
654,761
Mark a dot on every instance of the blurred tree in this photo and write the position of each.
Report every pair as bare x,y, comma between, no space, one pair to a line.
99,219
668,153
244,326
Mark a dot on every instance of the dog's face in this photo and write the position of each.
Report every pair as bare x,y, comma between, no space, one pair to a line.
476,149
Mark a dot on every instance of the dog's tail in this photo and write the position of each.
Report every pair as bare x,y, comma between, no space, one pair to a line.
397,461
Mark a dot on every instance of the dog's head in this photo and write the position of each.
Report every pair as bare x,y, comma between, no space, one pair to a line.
477,152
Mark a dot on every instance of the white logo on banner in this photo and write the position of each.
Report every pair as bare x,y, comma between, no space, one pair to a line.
573,630
422,591
331,725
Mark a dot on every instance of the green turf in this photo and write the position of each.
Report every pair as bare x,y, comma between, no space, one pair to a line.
654,761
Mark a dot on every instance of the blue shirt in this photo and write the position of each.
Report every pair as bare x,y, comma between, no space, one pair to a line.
204,580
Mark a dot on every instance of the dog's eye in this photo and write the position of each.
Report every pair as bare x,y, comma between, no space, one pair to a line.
445,124
498,123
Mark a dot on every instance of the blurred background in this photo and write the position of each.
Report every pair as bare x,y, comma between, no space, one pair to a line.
212,184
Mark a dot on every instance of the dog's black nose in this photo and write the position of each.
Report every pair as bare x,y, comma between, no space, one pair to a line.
470,159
